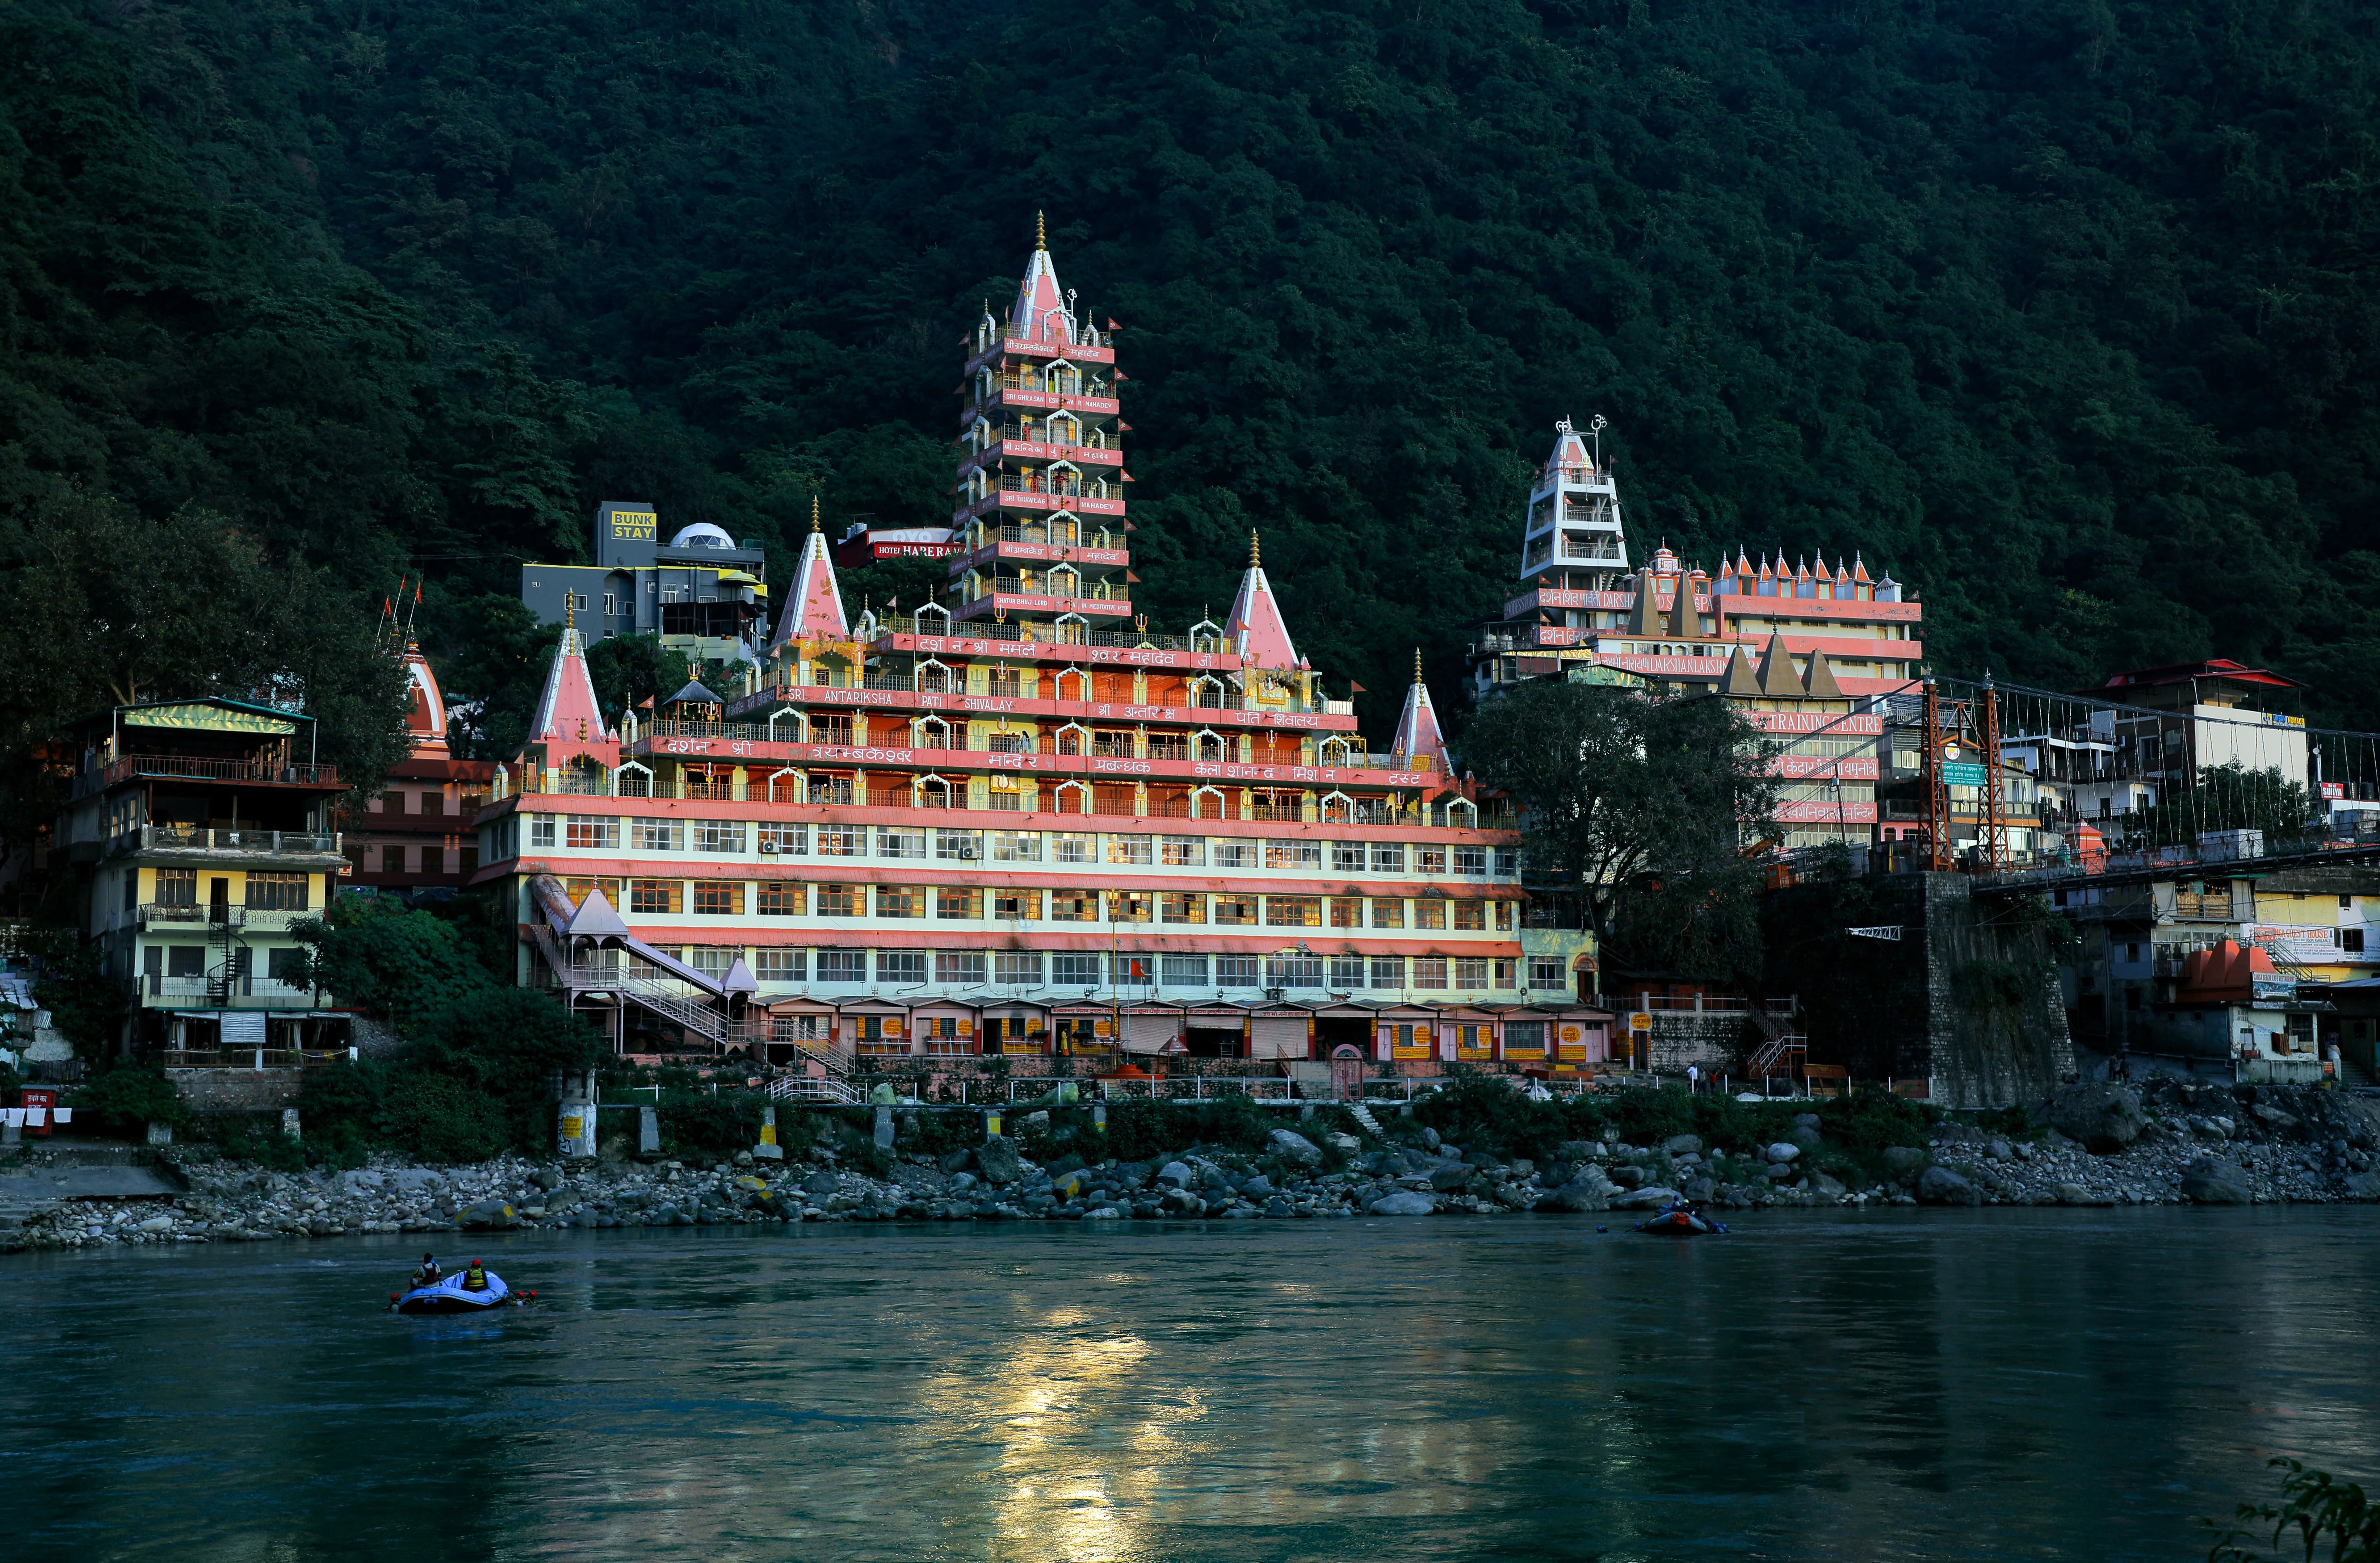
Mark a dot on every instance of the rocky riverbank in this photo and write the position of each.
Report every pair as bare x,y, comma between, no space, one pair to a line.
2167,1142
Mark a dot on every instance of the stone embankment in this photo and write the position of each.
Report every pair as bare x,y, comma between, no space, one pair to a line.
2167,1143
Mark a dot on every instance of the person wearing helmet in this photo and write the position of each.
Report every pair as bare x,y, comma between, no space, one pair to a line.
476,1277
426,1272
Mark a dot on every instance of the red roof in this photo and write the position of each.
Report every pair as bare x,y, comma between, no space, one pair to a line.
2184,672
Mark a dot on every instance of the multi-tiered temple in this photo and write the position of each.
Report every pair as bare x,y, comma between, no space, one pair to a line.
1811,654
1026,823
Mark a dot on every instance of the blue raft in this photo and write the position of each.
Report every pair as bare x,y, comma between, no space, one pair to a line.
448,1297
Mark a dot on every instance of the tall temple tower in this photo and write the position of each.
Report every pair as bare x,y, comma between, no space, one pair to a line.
1040,518
1574,539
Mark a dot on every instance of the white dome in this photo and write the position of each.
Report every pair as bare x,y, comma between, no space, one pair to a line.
702,535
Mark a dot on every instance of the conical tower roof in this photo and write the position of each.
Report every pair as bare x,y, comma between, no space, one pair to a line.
1740,679
1822,679
1255,627
1040,310
814,608
1777,676
425,708
567,711
1417,734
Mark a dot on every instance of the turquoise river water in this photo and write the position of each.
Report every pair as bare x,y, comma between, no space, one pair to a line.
1898,1384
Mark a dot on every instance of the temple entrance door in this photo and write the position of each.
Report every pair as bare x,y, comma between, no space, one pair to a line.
1346,1073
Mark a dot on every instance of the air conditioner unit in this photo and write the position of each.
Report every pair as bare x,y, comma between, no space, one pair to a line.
966,854
768,848
1275,994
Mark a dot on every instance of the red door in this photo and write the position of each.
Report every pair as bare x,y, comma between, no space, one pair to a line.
1347,1072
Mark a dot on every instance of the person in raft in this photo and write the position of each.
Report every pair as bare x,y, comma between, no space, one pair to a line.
426,1272
476,1277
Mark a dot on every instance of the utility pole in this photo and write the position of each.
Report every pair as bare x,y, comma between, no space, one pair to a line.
1995,820
1937,791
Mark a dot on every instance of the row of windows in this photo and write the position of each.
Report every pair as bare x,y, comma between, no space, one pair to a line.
266,892
796,897
1032,968
599,833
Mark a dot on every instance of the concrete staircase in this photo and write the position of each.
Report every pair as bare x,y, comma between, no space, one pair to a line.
1363,1115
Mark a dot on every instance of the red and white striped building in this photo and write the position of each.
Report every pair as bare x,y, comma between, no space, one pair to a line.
1025,824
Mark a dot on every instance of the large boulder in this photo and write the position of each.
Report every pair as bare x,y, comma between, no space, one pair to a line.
1175,1174
1579,1150
1646,1199
1407,1203
1585,1192
998,1161
488,1216
1904,1159
2363,1186
1680,1144
1290,1145
2101,1118
2216,1182
1939,1185
1446,1177
1783,1151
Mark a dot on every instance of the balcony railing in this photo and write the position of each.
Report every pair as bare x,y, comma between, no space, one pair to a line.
247,842
207,915
193,767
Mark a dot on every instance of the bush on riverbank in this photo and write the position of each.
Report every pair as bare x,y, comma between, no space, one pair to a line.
127,1099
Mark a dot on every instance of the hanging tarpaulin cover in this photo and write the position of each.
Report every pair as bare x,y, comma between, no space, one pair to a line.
211,715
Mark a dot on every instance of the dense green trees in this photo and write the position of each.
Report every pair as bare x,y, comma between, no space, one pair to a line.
2063,312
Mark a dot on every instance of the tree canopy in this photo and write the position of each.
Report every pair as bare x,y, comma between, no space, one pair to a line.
2066,315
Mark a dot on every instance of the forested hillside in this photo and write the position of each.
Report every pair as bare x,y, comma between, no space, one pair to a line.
2064,311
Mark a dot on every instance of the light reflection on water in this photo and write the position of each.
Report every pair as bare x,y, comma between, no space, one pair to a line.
1894,1384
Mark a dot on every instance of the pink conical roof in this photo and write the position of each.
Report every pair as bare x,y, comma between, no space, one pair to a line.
1255,626
567,711
425,709
814,608
1417,734
1570,449
1040,303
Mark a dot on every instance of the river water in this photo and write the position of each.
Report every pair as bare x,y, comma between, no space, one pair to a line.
1897,1383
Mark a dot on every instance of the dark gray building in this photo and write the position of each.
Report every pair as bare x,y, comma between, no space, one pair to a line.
701,590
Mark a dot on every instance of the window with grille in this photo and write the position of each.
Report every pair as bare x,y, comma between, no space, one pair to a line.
1471,917
1547,972
1183,907
959,968
842,900
1073,906
1019,905
710,960
834,727
1238,972
958,846
843,966
1131,906
1182,851
1388,970
1388,914
842,840
1292,911
1292,854
783,898
277,892
1508,862
1073,847
1229,853
657,835
1525,1036
177,886
1504,969
714,898
591,833
781,965
1471,973
1294,972
653,898
1471,859
900,966
900,900
719,835
955,904
892,841
1346,912
1429,971
1073,971
1429,860
1347,971
1474,1040
1429,915
1017,969
540,830
1017,846
1128,849
1182,971
1346,857
785,840
1388,857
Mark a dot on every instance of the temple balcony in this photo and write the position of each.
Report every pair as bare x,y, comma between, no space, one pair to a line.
1034,640
1027,501
1016,599
1010,395
1058,755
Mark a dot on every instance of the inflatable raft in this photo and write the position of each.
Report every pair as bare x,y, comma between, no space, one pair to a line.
448,1297
1679,1223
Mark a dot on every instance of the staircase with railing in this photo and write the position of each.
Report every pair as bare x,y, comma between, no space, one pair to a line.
698,1016
1781,1047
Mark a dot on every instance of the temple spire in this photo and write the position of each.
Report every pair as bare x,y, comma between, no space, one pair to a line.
813,610
1255,628
1417,735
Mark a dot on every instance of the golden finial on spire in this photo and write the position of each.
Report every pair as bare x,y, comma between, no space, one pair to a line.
814,512
1040,233
1255,556
570,610
1417,665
